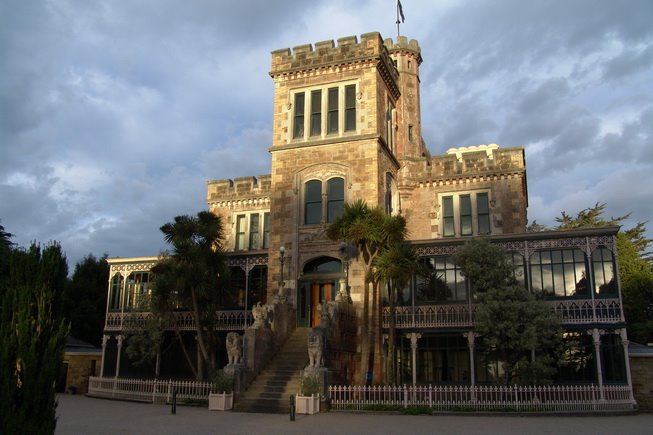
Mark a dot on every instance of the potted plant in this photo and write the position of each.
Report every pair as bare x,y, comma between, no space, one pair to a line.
221,397
308,399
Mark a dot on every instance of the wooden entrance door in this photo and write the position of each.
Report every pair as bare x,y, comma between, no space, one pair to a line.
321,291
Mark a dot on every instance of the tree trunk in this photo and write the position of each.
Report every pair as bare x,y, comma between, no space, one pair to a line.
365,349
192,366
373,330
391,336
202,354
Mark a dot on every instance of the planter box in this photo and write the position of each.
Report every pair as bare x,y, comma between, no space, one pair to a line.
221,402
307,404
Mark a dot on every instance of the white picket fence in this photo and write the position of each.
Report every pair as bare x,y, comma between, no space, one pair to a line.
558,398
148,390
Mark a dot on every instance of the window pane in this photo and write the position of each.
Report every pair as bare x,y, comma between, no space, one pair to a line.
266,230
448,218
298,128
483,210
254,231
465,215
313,198
332,114
335,198
603,265
316,113
350,107
240,232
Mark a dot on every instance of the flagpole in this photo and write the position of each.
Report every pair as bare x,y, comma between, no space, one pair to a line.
397,20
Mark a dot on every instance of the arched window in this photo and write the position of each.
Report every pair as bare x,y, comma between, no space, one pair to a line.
335,198
138,290
314,197
116,287
313,202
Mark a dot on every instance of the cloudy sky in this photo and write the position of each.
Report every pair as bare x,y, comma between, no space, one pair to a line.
113,114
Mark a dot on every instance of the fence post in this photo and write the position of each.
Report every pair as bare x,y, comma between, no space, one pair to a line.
292,407
405,396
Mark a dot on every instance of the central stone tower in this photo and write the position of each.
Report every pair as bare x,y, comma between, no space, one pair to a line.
346,117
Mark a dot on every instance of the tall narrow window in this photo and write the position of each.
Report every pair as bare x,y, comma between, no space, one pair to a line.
332,111
266,230
448,217
116,288
313,202
240,232
254,231
603,268
389,128
350,107
483,210
335,198
410,133
316,113
465,215
298,127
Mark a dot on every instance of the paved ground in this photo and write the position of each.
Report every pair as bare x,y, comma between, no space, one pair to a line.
84,415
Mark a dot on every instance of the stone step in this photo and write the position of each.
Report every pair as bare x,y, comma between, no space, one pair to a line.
271,390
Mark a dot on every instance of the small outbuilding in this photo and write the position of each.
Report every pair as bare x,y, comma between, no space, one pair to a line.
81,360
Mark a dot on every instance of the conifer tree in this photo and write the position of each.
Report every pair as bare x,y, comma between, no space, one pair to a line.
32,338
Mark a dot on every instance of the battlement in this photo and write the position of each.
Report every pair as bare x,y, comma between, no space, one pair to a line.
239,188
478,160
328,53
404,45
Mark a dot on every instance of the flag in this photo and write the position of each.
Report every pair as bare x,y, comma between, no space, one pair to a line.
401,11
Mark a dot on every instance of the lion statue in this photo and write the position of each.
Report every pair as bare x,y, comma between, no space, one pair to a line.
261,314
315,348
234,347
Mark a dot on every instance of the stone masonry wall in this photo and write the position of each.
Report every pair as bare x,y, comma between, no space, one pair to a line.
641,370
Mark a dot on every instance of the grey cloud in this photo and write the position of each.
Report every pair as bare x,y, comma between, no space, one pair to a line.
630,61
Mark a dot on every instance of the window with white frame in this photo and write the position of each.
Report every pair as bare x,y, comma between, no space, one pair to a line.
324,111
252,230
465,214
323,202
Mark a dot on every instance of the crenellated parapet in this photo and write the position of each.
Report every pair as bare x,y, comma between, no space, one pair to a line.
404,45
248,189
478,160
328,56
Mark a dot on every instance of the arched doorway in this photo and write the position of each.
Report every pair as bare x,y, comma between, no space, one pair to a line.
318,284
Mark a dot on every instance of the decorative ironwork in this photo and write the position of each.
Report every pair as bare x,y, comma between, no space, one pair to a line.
247,260
228,320
571,312
485,398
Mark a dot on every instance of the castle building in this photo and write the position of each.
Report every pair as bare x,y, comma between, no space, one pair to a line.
347,126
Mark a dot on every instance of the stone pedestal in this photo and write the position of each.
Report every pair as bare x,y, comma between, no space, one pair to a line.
258,344
238,373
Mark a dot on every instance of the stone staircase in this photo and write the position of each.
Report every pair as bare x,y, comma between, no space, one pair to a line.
271,390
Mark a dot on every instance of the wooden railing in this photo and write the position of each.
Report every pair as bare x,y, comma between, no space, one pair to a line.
228,320
148,390
571,311
558,398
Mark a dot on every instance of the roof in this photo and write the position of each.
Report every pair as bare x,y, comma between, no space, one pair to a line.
80,347
640,350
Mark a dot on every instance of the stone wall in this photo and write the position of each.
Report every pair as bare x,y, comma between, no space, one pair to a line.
641,370
80,367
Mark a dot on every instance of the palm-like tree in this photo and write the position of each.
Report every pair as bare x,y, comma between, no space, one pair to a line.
193,276
395,266
371,230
